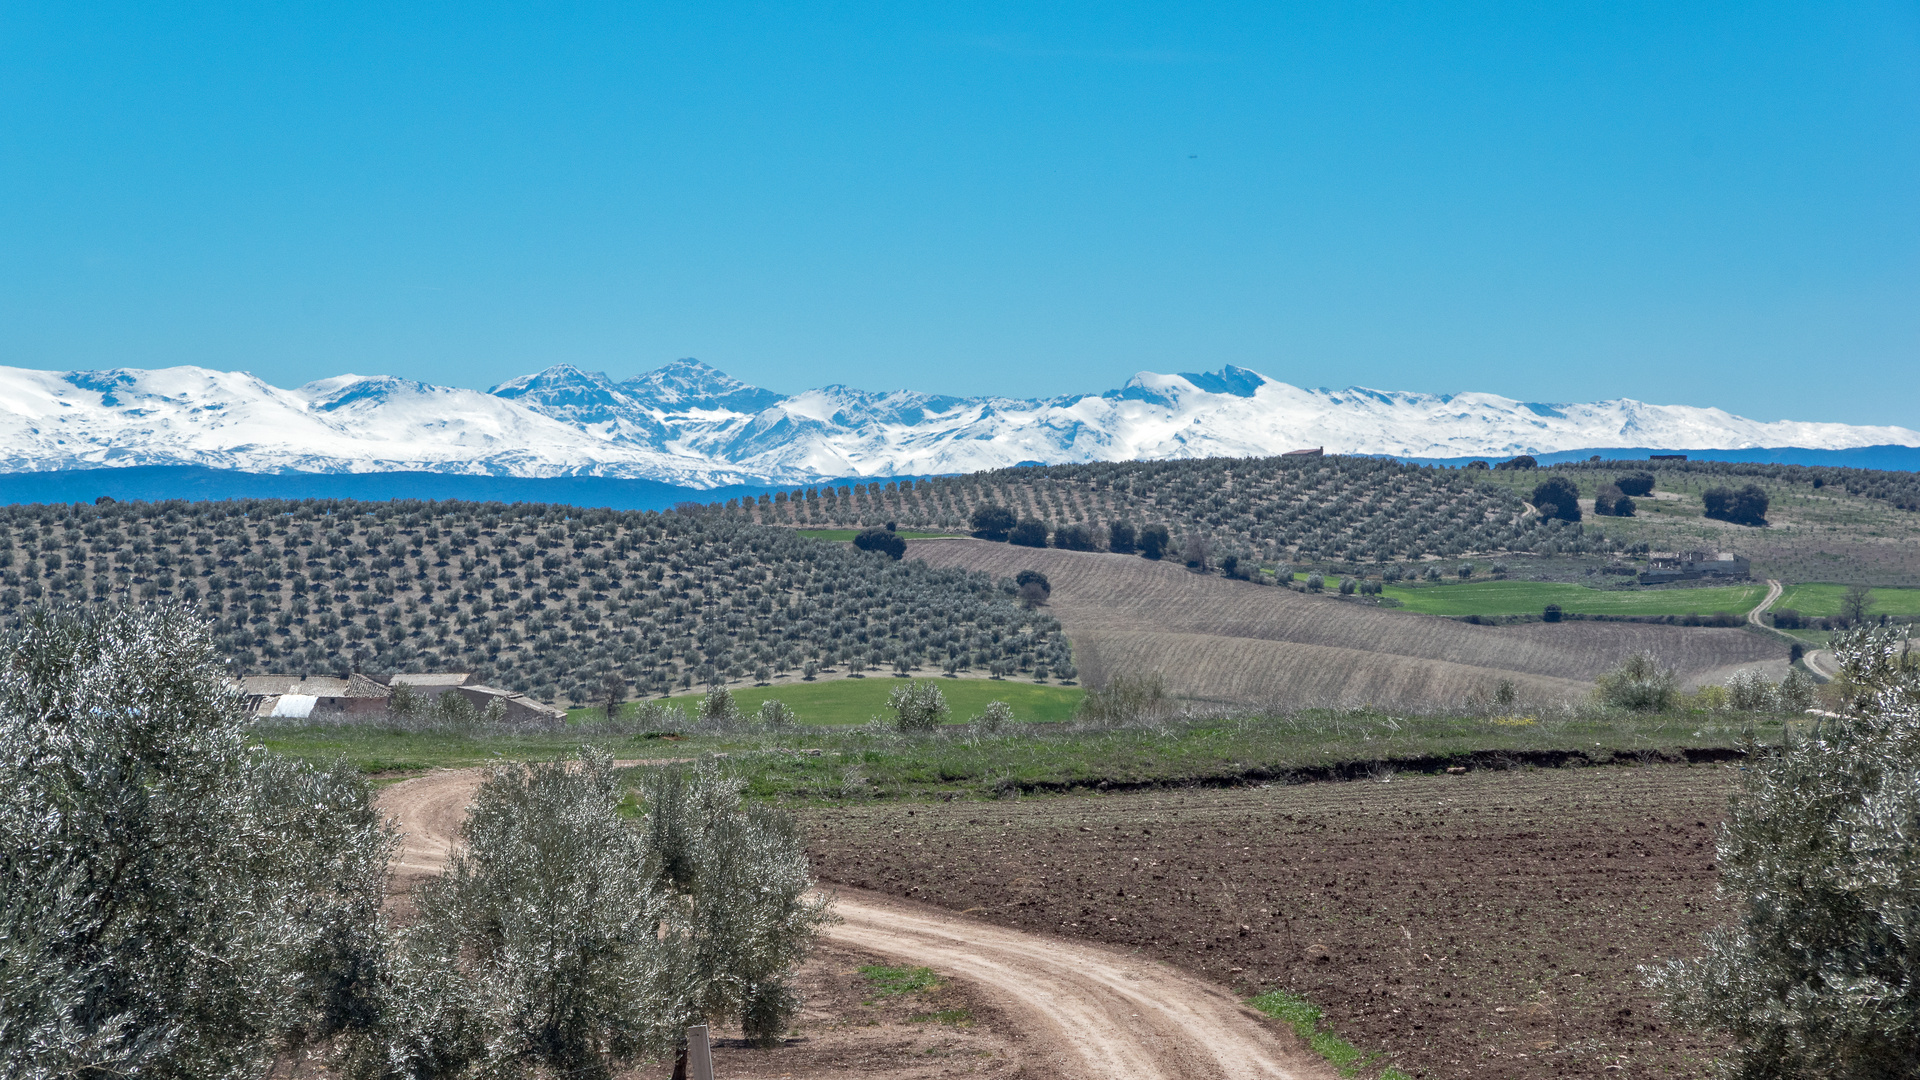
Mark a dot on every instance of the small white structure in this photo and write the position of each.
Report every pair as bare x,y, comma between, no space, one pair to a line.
294,706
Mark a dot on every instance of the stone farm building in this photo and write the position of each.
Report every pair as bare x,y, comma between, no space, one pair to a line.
365,696
1691,565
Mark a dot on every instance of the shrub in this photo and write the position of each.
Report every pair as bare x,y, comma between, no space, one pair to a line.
1745,506
1154,541
994,718
1028,533
1639,684
1556,497
1749,691
177,903
992,522
917,706
1120,537
775,714
718,710
881,540
1796,691
1551,613
1126,700
1635,483
1818,976
1787,618
1197,553
1610,501
1074,538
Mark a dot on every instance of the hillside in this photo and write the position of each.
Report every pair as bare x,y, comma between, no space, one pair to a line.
1854,526
1364,514
544,599
1233,641
1304,509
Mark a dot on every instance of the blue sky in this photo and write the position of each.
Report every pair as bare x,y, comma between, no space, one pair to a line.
1700,203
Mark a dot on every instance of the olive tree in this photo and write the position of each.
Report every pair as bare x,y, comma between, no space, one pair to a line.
739,880
541,946
177,902
917,706
1820,975
1640,683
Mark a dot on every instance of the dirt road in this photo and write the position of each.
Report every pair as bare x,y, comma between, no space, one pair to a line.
1773,593
1084,1013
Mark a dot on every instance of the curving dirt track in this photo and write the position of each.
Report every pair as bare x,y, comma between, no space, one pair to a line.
1232,641
1084,1013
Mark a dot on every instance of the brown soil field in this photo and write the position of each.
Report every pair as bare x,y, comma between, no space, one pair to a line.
1484,925
845,1030
1232,641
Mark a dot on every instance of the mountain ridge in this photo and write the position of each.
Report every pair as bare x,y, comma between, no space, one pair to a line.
690,424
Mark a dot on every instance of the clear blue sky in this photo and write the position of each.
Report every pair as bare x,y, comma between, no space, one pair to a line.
1696,202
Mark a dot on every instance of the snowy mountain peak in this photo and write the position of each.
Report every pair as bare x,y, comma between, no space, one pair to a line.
689,423
690,384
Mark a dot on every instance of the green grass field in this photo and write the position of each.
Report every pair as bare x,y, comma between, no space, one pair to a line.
1529,597
1824,600
847,535
856,763
855,701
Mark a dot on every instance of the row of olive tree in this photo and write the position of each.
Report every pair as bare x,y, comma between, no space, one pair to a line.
177,902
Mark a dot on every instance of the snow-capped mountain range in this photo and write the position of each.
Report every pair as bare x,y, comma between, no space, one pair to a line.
689,424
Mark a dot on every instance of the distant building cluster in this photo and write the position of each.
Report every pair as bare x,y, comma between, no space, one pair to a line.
1664,566
358,697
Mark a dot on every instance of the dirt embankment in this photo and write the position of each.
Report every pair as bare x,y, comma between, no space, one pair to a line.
1061,1008
1220,640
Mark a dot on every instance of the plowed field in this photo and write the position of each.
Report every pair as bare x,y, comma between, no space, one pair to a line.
1485,925
1231,641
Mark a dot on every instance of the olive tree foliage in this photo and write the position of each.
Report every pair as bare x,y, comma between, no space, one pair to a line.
738,877
565,940
540,947
1640,683
173,901
1820,975
917,706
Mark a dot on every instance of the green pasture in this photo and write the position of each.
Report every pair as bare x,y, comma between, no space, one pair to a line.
1530,597
855,701
1822,600
854,762
847,535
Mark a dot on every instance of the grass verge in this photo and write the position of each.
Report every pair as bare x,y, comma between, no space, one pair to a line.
855,701
836,765
1304,1017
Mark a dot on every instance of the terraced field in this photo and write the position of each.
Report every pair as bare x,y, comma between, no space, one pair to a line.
1232,641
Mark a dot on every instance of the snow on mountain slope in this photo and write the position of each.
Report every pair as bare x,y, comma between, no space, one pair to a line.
688,423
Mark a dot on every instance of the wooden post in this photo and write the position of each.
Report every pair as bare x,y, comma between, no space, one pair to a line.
699,1054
